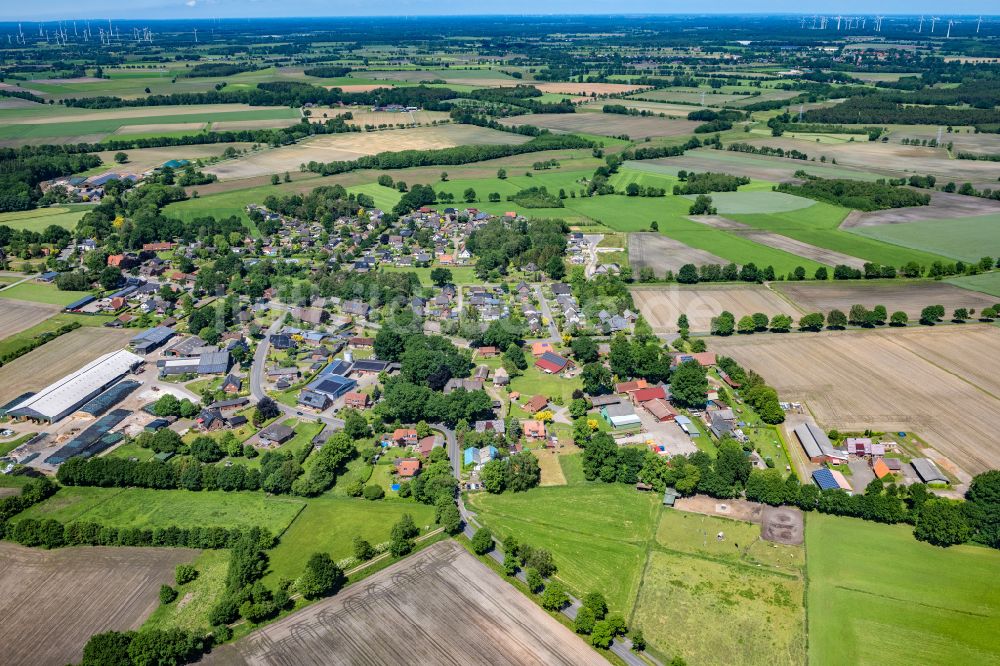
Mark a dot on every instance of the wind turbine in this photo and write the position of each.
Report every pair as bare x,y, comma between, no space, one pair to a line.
838,17
934,19
950,23
196,35
979,22
921,28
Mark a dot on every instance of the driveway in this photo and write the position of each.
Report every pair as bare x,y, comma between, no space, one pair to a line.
861,475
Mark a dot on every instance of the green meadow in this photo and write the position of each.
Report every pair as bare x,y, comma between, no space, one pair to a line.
38,219
965,238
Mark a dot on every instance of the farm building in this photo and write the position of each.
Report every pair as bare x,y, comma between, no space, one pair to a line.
881,469
79,304
95,439
649,393
207,363
149,340
621,415
831,479
108,399
552,363
687,426
62,398
629,387
331,385
370,366
817,445
660,409
928,471
599,401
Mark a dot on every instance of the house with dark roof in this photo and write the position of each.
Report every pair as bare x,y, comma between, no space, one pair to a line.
313,399
276,433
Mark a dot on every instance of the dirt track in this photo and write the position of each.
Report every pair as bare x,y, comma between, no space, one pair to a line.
441,606
51,602
662,253
779,242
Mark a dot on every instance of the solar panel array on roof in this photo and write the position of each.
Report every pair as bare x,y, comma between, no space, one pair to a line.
824,479
152,338
91,441
110,398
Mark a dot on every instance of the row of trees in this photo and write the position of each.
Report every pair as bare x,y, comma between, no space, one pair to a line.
51,533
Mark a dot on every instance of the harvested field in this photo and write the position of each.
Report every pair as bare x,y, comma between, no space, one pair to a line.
160,128
761,167
51,602
237,125
910,297
51,361
584,89
661,306
608,124
692,96
890,380
674,110
778,241
407,614
358,87
662,253
144,159
943,206
335,147
72,115
16,316
365,117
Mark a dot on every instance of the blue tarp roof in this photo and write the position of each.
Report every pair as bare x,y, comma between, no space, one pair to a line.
824,479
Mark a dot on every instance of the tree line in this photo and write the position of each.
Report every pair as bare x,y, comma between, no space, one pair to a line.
857,194
51,533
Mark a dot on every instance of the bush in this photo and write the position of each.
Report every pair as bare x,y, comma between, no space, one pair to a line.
167,594
185,573
373,492
322,577
534,580
363,550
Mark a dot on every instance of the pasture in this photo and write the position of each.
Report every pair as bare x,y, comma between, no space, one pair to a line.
53,601
17,316
712,601
913,380
965,238
329,524
54,360
931,600
597,533
661,306
608,124
148,509
337,147
441,605
40,218
755,201
663,254
910,296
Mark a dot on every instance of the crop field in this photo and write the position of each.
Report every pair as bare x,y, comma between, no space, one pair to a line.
470,77
149,509
51,361
673,110
40,218
608,124
966,238
16,316
761,167
597,533
335,147
931,600
943,206
987,283
663,254
661,306
329,524
891,380
53,601
40,293
910,297
713,601
144,159
152,129
368,117
584,89
759,201
441,605
819,225
690,96
237,125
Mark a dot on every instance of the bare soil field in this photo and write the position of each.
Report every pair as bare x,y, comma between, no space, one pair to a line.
51,602
237,125
736,509
921,380
943,206
16,316
779,242
909,297
147,158
51,361
160,127
674,110
585,89
889,158
440,606
336,147
608,124
661,306
662,253
365,117
78,115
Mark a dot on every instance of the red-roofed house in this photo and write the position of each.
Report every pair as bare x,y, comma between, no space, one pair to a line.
552,363
426,445
533,429
116,260
649,393
536,404
539,348
405,436
408,467
356,400
486,352
628,387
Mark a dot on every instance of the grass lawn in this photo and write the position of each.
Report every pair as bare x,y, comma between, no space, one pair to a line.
329,524
572,469
460,275
534,381
42,293
988,283
819,225
357,469
140,507
195,599
38,220
868,581
966,238
598,534
127,451
8,446
19,340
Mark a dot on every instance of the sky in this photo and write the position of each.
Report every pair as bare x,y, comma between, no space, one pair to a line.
179,9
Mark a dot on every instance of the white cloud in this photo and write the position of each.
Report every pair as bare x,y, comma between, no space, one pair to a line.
191,3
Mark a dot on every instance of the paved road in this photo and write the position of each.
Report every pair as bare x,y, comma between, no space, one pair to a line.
543,303
257,378
21,281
